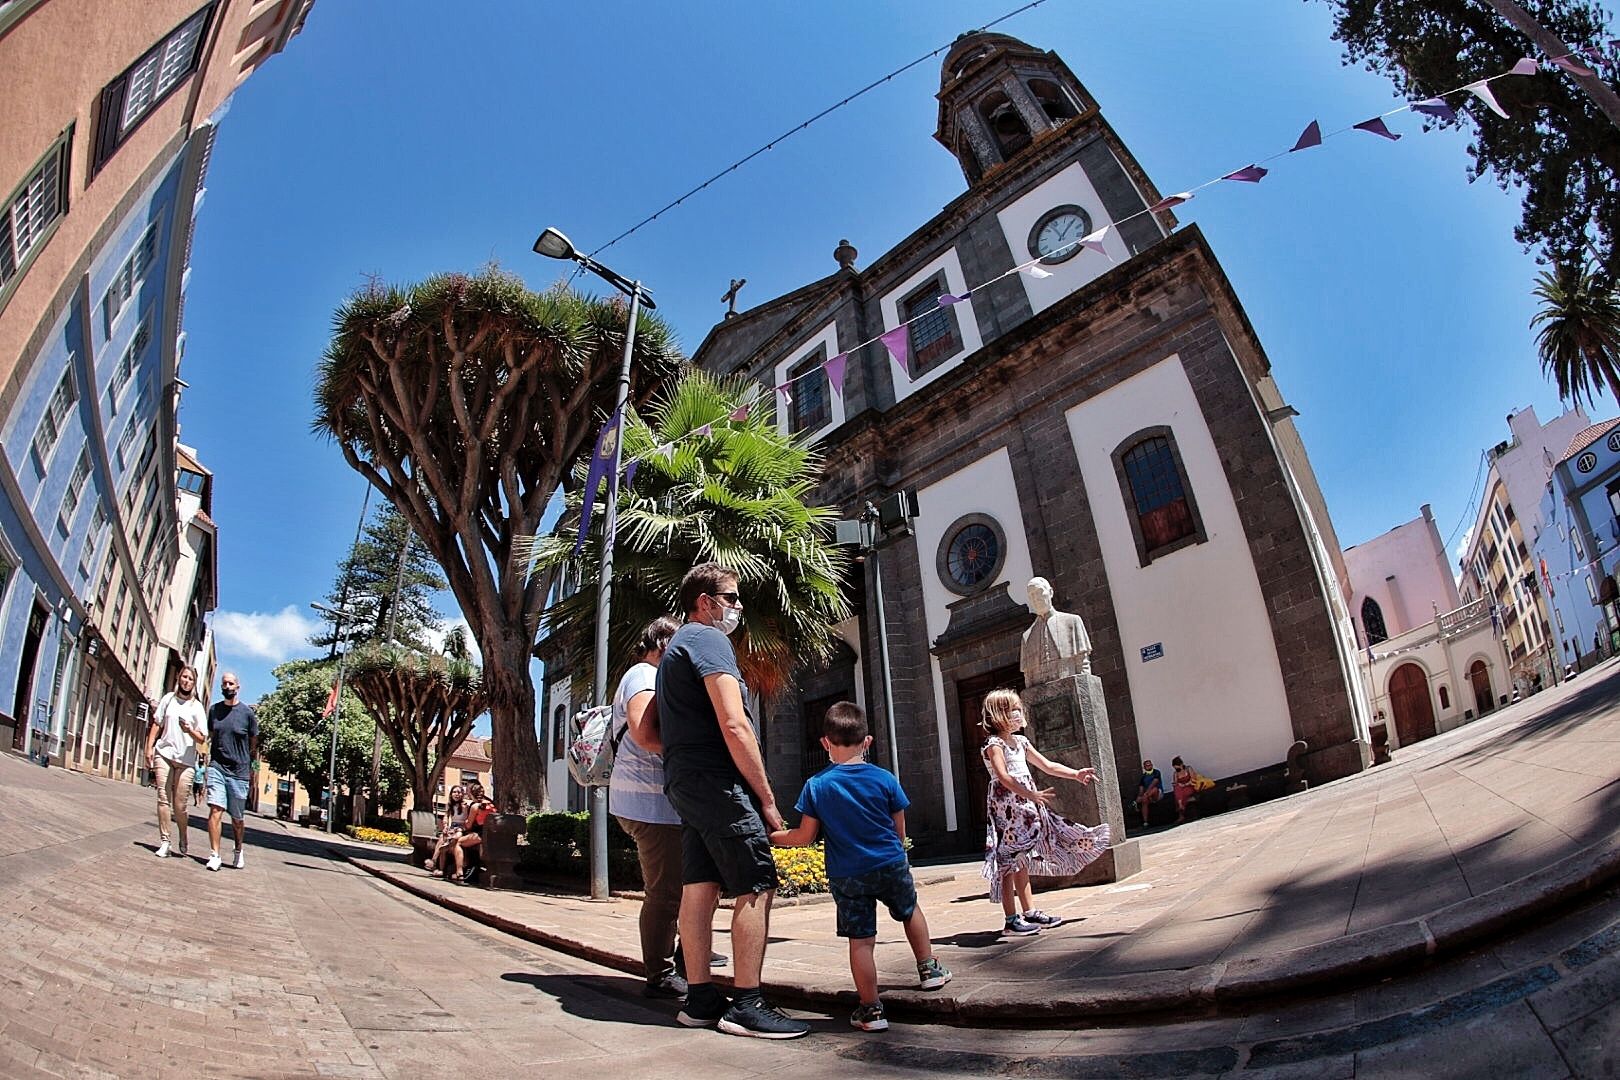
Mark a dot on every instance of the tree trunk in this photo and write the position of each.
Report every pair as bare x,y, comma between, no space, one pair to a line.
518,767
1601,93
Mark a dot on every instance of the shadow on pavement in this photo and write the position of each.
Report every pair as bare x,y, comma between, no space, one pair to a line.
598,997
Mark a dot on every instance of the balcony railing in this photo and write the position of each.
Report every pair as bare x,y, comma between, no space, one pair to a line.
1464,618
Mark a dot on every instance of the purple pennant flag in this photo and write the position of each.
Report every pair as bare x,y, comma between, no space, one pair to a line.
1482,90
1435,107
607,444
1593,51
1170,200
786,390
1571,66
740,413
705,431
1311,136
1525,66
947,299
1377,126
835,372
898,342
1250,174
1094,239
630,471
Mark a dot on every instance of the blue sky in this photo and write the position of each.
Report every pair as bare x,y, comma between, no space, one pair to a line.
410,138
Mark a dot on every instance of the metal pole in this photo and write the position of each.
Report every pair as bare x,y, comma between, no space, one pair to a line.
869,522
388,639
331,765
604,602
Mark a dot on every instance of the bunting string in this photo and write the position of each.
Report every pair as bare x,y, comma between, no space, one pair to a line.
896,339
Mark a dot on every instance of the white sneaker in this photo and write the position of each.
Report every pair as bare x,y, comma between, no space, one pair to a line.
213,861
162,851
237,863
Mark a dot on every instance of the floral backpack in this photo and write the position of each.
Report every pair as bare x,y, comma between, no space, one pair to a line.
593,746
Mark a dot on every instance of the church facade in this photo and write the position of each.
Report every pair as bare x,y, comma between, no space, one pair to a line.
1110,424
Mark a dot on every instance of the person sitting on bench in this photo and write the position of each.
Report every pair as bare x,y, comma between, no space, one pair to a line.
471,839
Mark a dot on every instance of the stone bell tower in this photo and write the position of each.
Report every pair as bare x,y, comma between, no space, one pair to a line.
998,96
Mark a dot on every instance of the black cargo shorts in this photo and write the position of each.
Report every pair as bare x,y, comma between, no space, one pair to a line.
723,836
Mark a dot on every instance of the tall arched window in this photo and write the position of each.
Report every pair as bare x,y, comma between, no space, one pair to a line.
1372,621
1053,101
1006,125
1163,513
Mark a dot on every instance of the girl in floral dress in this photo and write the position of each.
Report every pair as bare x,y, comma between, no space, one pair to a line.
1020,828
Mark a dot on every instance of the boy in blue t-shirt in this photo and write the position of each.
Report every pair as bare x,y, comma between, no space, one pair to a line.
862,811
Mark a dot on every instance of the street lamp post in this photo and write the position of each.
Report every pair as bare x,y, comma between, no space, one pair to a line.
554,245
338,617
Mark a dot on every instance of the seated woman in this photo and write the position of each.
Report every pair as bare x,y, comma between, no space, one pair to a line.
1187,782
1149,789
472,830
454,816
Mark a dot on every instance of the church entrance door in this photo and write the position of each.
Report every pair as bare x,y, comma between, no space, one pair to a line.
970,695
1409,700
1480,677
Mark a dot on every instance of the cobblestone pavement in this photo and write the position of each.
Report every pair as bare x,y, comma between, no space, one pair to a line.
120,964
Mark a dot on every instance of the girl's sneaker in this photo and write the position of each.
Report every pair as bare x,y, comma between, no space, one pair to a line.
869,1017
1041,918
1019,925
931,974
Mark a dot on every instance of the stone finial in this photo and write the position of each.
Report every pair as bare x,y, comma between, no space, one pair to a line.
846,254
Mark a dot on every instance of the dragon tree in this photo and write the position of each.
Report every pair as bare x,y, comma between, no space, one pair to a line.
466,400
425,703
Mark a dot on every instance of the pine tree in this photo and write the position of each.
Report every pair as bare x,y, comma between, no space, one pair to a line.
365,587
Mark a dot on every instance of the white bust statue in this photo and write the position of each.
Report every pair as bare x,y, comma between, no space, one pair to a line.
1055,645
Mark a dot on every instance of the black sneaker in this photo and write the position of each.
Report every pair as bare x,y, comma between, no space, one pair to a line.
757,1020
669,985
703,1008
869,1018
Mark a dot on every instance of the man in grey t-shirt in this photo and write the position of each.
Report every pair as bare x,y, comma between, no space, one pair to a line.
233,742
714,775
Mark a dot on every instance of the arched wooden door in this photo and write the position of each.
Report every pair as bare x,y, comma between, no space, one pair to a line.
1409,700
1484,700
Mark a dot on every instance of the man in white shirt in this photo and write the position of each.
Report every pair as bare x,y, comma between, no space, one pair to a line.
177,731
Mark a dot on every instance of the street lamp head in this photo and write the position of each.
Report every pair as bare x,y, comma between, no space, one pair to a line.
554,245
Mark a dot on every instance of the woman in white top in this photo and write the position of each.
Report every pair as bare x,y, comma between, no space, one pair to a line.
454,817
636,796
178,730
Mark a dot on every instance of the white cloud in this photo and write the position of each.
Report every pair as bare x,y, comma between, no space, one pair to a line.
274,637
1462,546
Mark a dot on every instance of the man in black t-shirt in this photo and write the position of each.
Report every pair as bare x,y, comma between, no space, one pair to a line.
714,775
233,747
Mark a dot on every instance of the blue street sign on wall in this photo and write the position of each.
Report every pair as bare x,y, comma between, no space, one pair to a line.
1153,651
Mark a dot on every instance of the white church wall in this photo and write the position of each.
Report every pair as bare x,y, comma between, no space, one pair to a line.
984,487
1069,186
1216,695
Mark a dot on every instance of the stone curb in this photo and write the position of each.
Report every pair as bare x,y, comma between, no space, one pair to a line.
1378,951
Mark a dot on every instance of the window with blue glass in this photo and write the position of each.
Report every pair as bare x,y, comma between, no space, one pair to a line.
1158,493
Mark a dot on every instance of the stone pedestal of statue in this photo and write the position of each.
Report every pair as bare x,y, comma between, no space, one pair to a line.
1067,721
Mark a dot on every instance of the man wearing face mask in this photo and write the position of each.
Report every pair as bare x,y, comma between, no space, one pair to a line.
714,775
233,732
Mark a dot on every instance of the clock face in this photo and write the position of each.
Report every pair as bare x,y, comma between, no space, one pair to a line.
1055,235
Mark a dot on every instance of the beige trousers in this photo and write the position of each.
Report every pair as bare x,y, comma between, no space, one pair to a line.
174,797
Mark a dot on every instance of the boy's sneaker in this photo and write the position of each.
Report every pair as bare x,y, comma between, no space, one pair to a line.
237,863
213,860
757,1020
931,975
1020,926
162,851
1041,918
870,1017
703,1008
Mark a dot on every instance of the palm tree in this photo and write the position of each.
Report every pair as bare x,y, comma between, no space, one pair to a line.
735,496
1579,339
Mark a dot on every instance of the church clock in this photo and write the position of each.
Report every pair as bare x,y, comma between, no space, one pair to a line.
1055,237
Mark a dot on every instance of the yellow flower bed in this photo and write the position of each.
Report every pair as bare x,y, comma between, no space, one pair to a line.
378,836
802,870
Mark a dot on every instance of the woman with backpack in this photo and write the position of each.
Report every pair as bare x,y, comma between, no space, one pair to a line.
636,796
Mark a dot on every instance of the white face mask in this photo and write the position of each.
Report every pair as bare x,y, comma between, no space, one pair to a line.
730,619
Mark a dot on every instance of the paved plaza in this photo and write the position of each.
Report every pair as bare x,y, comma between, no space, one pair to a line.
1273,941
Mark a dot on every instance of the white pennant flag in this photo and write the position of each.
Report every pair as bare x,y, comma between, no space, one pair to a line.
1037,272
1482,90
